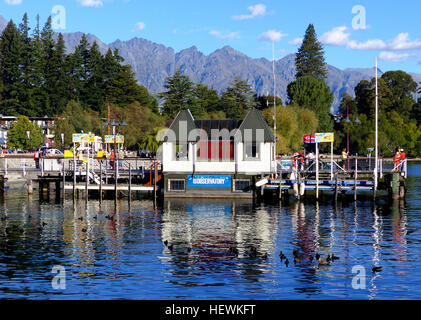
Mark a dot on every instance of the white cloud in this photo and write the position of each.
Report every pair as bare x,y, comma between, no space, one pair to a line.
296,41
337,36
139,26
256,10
229,36
272,35
91,3
13,2
398,57
340,36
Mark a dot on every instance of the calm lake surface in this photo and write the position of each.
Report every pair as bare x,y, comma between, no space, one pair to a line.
126,258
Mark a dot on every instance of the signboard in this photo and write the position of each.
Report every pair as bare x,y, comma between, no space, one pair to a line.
83,137
309,138
209,181
110,139
325,137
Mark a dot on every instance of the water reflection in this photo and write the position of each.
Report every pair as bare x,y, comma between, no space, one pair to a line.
207,249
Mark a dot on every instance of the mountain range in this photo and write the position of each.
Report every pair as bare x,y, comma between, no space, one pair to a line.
153,63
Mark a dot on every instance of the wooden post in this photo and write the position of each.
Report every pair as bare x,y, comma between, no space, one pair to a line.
64,180
336,188
87,179
130,182
317,171
155,178
355,178
100,181
74,178
116,177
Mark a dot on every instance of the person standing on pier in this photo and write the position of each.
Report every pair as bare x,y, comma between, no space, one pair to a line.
397,159
36,158
403,158
345,155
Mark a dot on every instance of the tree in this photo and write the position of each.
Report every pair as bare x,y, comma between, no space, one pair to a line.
402,88
266,102
10,69
238,99
179,95
206,99
310,60
315,95
17,136
293,124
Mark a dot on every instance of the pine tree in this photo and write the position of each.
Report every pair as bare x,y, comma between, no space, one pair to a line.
238,99
179,95
10,69
56,78
309,60
95,94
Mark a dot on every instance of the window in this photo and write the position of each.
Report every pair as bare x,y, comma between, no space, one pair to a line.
252,150
242,185
176,185
182,152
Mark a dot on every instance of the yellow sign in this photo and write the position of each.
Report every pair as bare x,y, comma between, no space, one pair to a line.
325,137
83,137
110,139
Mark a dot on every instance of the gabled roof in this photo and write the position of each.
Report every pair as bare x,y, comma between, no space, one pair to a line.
173,133
253,121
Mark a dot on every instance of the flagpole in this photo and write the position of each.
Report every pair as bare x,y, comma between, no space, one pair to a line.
274,98
377,135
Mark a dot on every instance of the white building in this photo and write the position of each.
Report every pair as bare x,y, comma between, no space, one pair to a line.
216,157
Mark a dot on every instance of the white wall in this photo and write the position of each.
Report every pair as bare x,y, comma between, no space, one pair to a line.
265,164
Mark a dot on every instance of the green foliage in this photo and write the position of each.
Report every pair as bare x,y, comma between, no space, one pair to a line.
238,99
292,124
265,102
18,138
180,95
310,57
313,94
398,116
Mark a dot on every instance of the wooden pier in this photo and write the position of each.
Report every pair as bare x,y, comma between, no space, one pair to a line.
331,177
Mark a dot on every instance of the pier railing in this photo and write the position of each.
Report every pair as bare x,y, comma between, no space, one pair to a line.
354,166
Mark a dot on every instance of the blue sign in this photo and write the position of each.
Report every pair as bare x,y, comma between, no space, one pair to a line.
208,181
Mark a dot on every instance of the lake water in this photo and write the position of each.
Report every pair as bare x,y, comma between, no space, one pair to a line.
126,258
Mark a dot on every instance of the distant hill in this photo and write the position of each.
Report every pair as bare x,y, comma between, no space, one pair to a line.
153,63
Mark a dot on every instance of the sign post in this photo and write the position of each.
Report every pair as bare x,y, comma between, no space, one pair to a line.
324,138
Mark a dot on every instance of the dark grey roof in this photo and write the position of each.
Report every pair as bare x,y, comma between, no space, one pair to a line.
254,120
208,125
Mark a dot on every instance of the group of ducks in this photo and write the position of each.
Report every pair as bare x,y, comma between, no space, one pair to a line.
253,254
299,258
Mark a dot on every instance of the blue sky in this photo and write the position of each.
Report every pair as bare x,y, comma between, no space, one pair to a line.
353,32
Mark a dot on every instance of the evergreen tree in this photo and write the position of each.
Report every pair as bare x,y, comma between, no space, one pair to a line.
313,94
238,99
207,99
310,60
56,78
11,47
179,95
95,95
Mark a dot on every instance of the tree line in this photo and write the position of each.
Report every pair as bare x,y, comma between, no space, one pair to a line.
38,77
